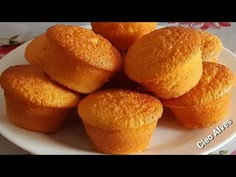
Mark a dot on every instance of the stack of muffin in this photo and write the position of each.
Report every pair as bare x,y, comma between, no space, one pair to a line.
118,76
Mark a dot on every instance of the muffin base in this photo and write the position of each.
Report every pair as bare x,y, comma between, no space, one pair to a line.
34,117
120,142
203,115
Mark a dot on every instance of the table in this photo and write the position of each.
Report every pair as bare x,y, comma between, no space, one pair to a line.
227,35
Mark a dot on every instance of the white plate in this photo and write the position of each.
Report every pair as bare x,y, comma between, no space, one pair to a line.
169,138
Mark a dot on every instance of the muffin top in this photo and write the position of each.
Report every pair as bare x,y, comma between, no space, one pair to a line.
86,46
216,81
123,34
116,109
37,50
30,83
161,53
211,46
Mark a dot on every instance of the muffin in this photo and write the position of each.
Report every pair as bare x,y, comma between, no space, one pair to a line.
36,52
208,102
123,34
167,61
211,46
79,59
33,101
120,121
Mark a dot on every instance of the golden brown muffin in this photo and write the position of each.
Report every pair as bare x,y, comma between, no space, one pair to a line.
123,34
80,59
208,102
33,101
166,61
36,51
120,121
211,46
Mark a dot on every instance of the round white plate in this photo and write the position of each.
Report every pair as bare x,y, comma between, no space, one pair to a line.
169,137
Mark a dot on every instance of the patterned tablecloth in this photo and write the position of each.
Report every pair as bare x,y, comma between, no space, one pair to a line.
14,34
